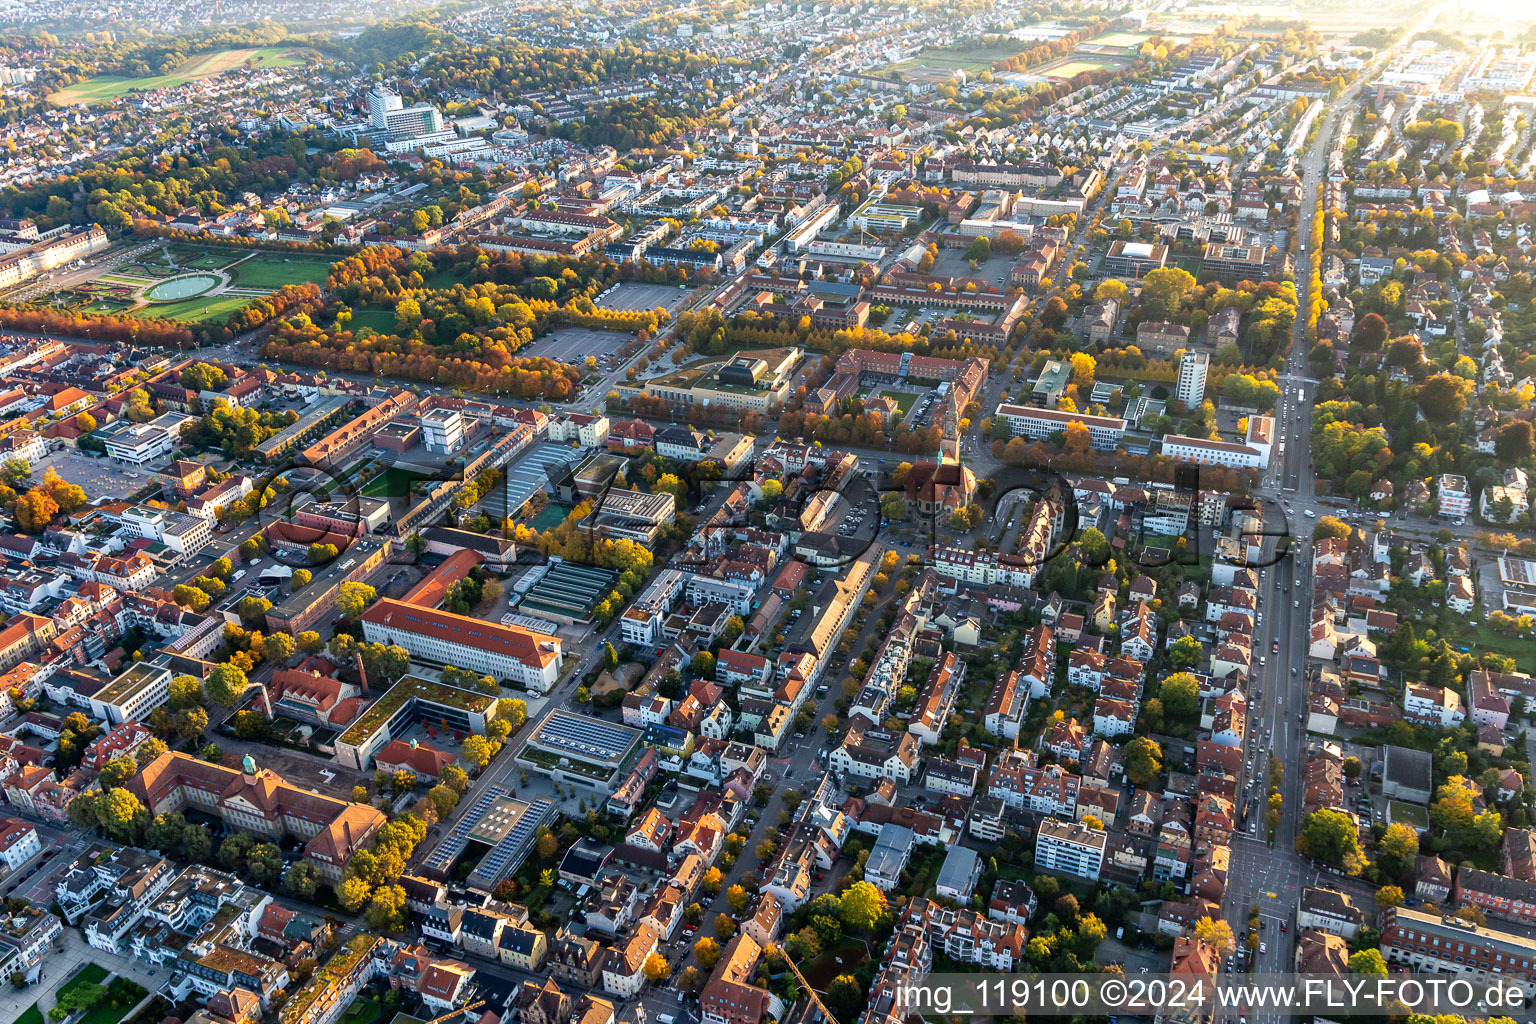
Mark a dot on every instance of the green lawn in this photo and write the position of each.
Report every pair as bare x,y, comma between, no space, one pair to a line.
31,1015
904,399
120,997
196,309
1522,650
1080,65
272,271
106,88
363,1011
392,483
381,320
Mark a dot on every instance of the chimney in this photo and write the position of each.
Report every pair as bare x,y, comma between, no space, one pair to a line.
362,673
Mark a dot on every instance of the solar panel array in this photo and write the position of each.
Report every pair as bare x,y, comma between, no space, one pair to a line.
507,855
457,838
584,737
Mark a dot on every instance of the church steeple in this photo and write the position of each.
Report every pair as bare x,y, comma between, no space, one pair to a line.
949,442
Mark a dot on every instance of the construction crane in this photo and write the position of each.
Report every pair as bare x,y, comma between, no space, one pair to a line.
809,990
463,1009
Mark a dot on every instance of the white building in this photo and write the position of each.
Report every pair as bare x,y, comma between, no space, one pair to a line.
1454,496
1190,388
1039,424
888,857
442,430
1070,848
18,842
130,697
140,443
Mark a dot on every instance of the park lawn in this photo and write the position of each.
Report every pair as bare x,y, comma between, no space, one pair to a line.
904,399
394,482
105,88
31,1015
197,309
272,271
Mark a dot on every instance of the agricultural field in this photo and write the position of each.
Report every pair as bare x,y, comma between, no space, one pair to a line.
107,88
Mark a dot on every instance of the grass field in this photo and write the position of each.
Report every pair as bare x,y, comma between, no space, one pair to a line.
1078,65
196,309
272,271
1119,39
381,320
31,1015
904,399
107,88
392,483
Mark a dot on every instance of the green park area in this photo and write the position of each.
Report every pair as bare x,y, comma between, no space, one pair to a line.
196,309
106,88
102,1004
273,270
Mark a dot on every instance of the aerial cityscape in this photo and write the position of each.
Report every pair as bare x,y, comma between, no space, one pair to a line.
652,512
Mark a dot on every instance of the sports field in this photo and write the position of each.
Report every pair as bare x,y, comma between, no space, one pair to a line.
1119,39
106,88
1077,65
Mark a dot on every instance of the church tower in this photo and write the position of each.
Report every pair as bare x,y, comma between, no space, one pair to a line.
949,442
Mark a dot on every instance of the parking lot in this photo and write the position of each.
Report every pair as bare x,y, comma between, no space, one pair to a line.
574,344
100,477
634,295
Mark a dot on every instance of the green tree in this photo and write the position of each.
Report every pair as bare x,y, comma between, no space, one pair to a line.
118,771
1330,836
184,692
1143,760
1180,694
278,647
302,878
862,905
1368,961
844,996
227,683
352,599
386,910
